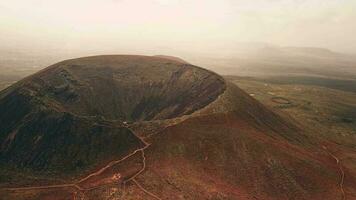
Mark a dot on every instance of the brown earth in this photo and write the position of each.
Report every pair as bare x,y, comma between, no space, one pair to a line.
215,142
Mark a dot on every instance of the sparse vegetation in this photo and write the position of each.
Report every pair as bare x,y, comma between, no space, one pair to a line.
168,130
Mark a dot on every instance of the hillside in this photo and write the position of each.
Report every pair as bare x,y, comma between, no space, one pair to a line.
66,107
139,127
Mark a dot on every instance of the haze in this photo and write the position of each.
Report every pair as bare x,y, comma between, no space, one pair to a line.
164,26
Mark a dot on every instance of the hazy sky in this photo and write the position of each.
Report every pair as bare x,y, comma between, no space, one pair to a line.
190,24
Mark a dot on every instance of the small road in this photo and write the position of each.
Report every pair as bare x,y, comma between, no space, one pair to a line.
43,187
341,170
144,190
100,171
110,165
142,169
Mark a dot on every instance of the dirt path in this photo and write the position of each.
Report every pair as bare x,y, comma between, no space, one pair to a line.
341,170
144,190
76,184
142,169
111,164
44,187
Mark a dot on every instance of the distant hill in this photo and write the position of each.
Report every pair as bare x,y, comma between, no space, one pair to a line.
172,58
283,61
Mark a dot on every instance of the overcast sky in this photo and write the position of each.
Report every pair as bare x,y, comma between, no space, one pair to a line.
191,24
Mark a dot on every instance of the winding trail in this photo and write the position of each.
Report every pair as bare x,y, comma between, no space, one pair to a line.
144,190
142,169
110,165
342,173
100,171
44,187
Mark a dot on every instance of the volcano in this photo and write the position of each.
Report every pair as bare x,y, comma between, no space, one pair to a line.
151,127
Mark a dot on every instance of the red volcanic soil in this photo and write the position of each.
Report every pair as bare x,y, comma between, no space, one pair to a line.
245,153
222,151
227,147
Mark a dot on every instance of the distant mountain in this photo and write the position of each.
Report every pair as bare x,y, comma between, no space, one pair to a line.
172,58
283,61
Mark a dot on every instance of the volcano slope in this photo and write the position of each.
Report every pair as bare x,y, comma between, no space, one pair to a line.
139,127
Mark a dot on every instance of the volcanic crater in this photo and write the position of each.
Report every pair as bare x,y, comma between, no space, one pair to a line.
131,88
52,119
146,127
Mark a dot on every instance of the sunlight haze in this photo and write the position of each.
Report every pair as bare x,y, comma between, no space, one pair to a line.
144,25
